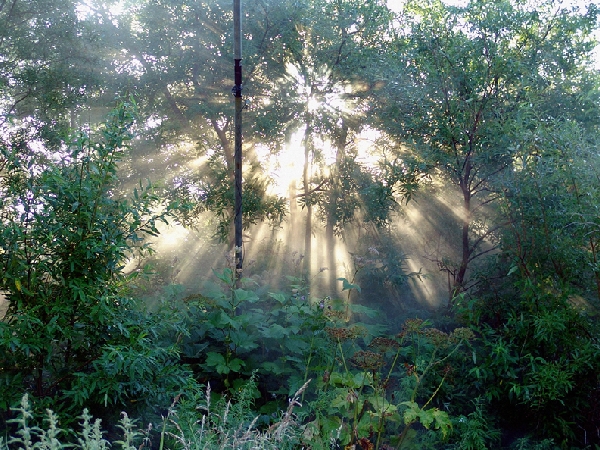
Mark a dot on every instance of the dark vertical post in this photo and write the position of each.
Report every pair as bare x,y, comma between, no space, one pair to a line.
237,92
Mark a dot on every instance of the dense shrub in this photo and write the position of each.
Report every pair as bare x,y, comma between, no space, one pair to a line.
537,363
71,335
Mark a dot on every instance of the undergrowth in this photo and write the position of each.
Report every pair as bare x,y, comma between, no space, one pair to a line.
192,422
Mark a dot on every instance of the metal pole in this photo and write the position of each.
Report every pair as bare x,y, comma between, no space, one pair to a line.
237,92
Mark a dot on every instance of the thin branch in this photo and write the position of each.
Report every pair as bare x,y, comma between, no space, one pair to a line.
488,176
312,191
485,202
477,255
481,238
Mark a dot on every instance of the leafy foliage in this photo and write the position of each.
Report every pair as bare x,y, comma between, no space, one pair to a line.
235,332
90,437
192,421
538,301
46,65
375,395
495,99
214,191
555,187
537,356
476,80
70,331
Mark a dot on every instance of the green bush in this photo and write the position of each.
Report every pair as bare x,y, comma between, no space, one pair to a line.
71,336
380,393
537,361
29,436
201,420
234,332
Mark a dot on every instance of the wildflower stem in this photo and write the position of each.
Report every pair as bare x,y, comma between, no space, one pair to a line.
308,361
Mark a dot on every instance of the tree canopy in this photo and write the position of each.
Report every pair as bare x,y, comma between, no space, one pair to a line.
474,84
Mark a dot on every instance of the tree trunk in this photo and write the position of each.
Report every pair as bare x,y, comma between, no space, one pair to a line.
227,150
306,188
292,223
340,144
331,262
459,280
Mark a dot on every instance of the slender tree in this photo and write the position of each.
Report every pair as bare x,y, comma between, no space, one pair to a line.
470,83
327,52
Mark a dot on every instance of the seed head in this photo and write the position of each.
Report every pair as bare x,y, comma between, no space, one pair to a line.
413,326
382,344
367,360
341,333
334,314
437,337
462,334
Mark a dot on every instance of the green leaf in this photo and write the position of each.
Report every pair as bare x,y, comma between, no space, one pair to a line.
426,417
442,421
274,331
214,359
412,413
296,346
226,276
236,364
362,379
346,285
340,400
279,297
383,408
243,295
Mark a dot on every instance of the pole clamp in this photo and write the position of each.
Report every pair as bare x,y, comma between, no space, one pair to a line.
236,90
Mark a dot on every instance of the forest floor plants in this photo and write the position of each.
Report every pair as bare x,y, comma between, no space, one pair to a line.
371,389
52,437
359,401
193,422
201,422
537,359
235,331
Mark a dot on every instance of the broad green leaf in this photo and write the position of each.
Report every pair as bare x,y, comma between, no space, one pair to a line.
426,417
274,331
278,296
442,421
412,413
236,364
226,276
243,295
346,285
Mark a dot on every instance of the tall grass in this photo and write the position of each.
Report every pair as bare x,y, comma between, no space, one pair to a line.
188,425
